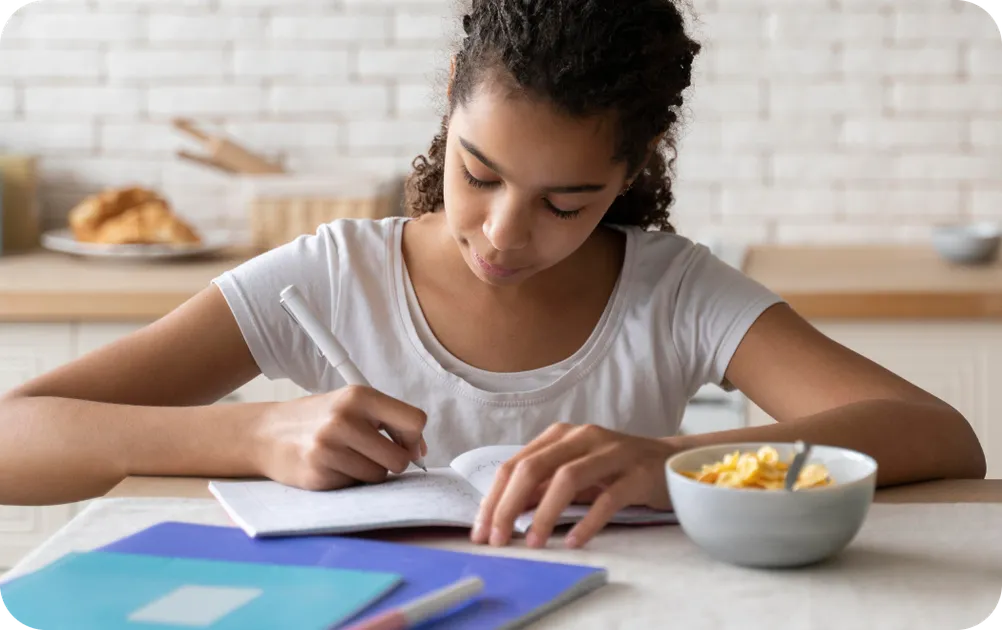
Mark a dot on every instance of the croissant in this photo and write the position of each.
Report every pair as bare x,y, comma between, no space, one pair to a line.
129,216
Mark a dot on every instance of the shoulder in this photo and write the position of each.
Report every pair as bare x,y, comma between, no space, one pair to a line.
702,304
313,260
360,231
676,271
314,263
665,258
333,242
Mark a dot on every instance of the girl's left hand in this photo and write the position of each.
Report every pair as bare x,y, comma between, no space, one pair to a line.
568,463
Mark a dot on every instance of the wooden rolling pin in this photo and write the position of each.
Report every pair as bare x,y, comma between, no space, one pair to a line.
224,154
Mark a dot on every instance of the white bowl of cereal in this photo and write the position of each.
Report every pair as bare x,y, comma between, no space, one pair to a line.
729,499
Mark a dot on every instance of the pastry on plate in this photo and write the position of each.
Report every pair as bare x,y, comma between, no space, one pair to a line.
129,216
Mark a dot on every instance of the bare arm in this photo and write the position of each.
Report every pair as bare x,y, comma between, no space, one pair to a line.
815,388
820,391
140,405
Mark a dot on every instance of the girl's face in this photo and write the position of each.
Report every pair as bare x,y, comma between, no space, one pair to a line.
524,185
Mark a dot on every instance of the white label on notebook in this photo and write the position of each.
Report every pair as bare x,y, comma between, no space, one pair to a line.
195,606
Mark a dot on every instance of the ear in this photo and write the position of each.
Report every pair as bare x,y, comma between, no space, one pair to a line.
651,148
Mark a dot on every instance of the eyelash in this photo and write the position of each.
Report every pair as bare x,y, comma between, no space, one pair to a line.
479,184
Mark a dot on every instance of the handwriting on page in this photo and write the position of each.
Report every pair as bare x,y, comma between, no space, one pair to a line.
480,465
482,475
435,497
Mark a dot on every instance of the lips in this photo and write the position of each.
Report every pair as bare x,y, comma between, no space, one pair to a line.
496,271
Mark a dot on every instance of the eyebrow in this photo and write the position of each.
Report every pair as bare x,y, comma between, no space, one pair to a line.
489,163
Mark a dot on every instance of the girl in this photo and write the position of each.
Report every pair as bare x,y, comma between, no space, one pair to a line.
536,296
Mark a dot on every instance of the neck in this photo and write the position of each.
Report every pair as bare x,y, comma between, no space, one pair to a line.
598,258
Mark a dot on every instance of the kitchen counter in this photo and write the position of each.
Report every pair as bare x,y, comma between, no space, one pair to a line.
945,491
821,283
42,286
877,283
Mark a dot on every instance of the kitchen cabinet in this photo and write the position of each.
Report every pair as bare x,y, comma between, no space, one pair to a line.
957,361
30,349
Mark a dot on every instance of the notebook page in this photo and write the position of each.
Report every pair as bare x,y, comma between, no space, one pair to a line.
267,508
479,465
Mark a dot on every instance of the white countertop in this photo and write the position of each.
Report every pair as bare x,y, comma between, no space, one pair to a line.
912,566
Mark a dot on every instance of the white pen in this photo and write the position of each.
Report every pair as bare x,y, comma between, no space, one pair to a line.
296,306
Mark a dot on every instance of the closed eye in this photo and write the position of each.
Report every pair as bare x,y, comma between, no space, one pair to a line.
562,214
479,184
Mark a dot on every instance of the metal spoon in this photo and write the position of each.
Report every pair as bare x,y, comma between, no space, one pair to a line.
802,450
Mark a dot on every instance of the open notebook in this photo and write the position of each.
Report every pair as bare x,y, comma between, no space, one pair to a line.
448,497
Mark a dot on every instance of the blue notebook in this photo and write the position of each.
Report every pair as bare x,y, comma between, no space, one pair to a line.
516,591
106,590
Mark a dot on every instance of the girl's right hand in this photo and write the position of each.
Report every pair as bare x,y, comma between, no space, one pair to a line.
332,440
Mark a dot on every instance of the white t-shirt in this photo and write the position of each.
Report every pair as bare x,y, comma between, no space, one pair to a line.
675,318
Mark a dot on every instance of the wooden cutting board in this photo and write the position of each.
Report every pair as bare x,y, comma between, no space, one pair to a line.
19,212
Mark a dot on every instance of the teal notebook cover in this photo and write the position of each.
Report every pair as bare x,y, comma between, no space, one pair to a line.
109,590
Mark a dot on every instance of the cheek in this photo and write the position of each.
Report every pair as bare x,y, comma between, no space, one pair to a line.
463,205
559,238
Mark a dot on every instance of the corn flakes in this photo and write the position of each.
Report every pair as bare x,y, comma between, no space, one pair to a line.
761,470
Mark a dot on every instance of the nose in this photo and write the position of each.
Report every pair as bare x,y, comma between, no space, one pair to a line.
508,226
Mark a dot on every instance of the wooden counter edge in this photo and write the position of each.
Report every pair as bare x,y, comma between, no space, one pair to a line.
916,305
90,307
952,491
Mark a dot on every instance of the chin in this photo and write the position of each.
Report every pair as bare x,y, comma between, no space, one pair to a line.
494,279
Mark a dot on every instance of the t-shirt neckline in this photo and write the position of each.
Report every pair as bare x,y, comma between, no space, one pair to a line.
585,358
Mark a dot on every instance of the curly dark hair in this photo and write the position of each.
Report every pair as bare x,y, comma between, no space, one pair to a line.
630,58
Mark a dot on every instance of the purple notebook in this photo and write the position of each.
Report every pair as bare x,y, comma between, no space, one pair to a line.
516,591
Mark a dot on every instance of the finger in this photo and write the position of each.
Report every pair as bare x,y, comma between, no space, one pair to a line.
404,422
538,494
363,438
588,496
584,497
616,497
322,479
482,524
349,463
569,481
527,476
414,448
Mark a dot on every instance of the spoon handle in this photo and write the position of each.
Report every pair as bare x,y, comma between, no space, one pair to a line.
802,449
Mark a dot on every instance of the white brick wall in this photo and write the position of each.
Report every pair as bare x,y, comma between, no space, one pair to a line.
810,120
8,101
368,29
291,63
81,102
129,64
196,27
68,64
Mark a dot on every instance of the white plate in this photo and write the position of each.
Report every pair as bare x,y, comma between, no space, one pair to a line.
62,240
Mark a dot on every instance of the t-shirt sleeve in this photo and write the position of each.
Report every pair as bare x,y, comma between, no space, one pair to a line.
714,307
279,347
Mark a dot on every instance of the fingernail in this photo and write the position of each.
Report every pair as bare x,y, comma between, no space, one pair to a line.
497,537
533,540
478,530
572,541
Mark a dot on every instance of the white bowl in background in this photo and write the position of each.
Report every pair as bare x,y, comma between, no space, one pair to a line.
968,243
773,528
